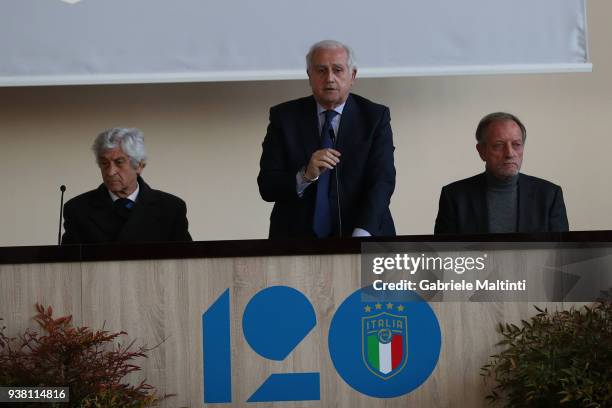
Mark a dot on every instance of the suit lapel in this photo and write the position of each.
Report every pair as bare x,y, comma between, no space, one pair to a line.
525,199
479,204
351,133
102,213
350,130
309,128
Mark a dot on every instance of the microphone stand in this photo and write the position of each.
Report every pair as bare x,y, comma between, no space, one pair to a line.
59,229
333,139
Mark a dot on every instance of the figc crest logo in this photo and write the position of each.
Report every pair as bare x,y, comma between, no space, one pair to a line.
385,342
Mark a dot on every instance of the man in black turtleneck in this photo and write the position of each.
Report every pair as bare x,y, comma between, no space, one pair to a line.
501,200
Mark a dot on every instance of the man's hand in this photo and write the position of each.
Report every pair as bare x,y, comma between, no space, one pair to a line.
320,161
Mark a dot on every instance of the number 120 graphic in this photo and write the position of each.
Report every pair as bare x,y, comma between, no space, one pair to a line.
278,318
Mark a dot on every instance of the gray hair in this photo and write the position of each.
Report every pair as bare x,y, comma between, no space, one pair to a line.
484,123
130,140
331,44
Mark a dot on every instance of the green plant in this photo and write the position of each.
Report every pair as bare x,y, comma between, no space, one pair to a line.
561,358
91,363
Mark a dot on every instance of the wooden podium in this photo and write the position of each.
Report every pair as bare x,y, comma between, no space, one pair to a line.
158,293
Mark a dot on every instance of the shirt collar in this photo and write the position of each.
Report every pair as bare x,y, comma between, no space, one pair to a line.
338,109
132,196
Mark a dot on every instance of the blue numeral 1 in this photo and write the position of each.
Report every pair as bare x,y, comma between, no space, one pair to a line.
217,361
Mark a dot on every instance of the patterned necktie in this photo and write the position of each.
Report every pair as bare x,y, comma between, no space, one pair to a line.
322,215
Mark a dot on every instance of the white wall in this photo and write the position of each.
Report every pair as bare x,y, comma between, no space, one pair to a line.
204,142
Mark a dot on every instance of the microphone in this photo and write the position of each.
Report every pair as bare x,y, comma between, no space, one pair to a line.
333,139
59,230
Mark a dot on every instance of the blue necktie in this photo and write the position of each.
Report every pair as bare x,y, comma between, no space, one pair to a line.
322,214
124,203
123,207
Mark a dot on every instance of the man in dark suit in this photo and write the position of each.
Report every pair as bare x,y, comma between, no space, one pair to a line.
327,161
501,200
124,208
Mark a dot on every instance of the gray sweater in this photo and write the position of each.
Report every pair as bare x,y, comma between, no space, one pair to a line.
502,204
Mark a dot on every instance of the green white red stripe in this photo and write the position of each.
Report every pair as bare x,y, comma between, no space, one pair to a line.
385,357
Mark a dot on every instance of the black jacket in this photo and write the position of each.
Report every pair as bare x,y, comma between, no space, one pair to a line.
156,217
463,206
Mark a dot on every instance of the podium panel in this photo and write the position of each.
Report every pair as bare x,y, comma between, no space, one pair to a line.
162,302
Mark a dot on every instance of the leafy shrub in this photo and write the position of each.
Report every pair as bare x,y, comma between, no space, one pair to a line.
561,358
89,362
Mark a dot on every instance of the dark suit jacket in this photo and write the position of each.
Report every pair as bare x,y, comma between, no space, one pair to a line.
366,171
463,206
156,217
